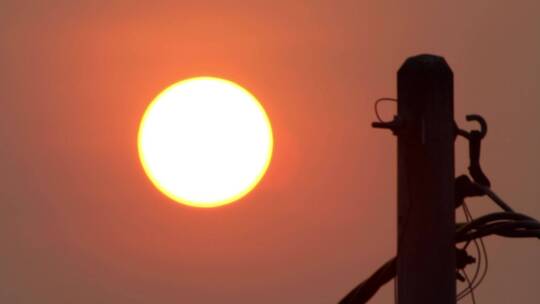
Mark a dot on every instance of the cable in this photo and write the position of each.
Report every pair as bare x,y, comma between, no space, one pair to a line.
471,288
479,264
492,217
495,198
479,254
377,106
508,224
486,266
363,292
523,228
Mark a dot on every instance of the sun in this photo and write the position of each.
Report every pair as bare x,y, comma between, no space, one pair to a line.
205,142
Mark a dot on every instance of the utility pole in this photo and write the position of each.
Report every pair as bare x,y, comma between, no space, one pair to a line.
426,262
428,194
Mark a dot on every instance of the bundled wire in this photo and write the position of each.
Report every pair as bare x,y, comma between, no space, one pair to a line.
507,224
367,289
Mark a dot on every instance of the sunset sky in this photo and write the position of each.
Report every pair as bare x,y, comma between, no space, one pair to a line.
81,223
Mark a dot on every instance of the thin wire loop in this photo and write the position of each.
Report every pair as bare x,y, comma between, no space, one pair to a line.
377,106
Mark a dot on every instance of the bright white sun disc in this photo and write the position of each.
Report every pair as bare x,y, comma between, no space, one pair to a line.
205,142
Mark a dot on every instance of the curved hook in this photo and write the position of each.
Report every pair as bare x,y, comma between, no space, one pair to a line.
475,139
481,121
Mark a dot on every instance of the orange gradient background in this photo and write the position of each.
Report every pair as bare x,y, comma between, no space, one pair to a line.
80,223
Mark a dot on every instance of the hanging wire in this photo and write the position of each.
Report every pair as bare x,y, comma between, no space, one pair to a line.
376,105
468,218
477,280
479,253
481,256
507,224
495,198
473,298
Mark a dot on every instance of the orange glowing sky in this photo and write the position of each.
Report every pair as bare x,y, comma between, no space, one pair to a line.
81,223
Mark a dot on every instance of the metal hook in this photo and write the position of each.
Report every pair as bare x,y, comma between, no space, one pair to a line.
475,139
483,127
481,121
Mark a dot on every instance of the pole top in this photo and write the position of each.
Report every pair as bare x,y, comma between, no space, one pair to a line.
426,64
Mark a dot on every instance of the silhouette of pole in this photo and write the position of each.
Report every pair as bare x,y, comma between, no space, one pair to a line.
426,266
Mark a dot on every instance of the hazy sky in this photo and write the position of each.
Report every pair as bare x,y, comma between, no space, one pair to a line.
81,223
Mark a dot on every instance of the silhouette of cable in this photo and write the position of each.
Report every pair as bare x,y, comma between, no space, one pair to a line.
481,255
470,286
363,292
508,224
469,218
480,250
377,106
513,229
475,283
495,198
485,257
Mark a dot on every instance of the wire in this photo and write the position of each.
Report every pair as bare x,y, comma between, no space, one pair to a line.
363,292
377,106
482,255
479,253
508,224
492,217
476,283
468,290
521,233
471,288
523,228
495,198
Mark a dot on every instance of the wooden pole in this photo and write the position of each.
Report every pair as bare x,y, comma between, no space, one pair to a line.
426,266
